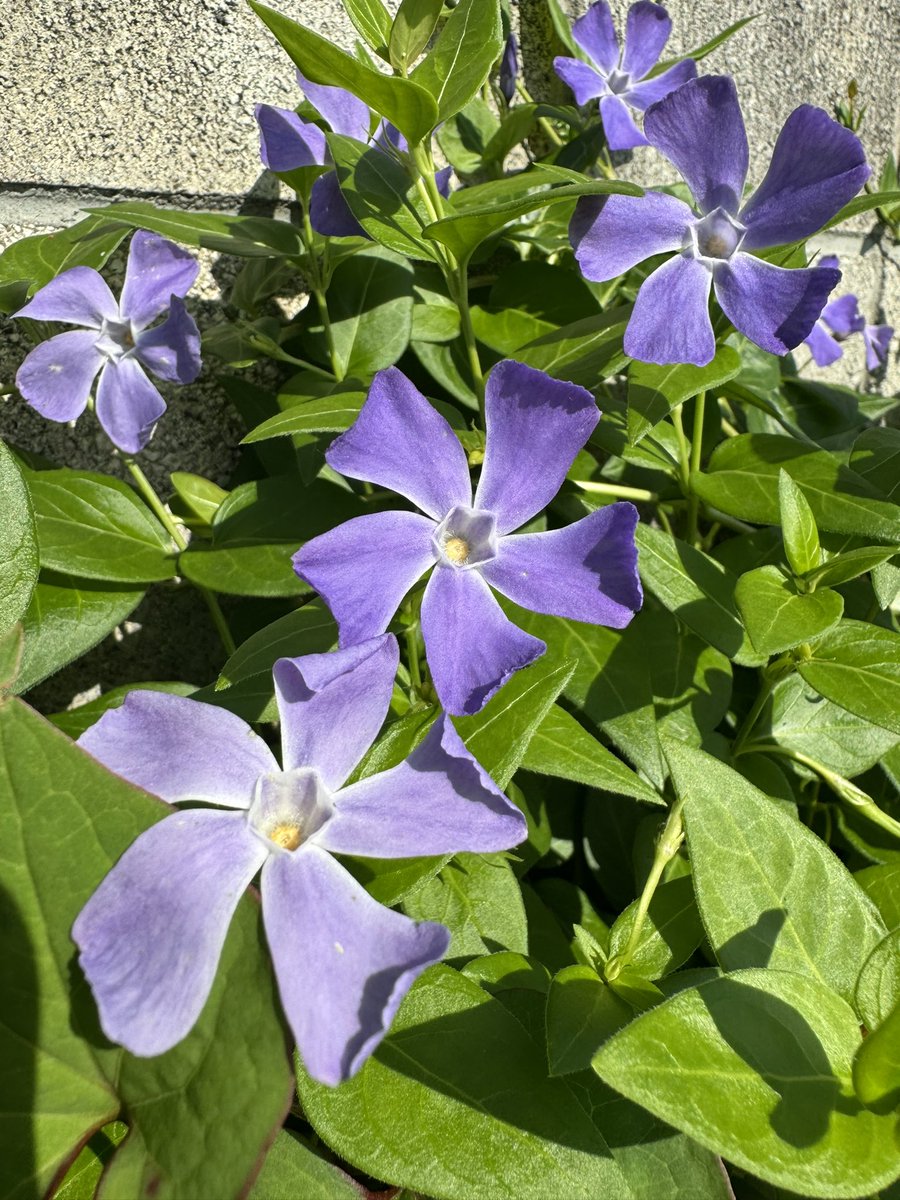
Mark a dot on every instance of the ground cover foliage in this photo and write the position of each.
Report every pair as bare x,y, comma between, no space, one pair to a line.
685,980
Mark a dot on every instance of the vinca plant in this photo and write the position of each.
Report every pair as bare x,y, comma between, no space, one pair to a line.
535,832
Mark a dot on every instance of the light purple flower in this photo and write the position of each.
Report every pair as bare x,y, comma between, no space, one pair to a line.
840,319
152,933
817,166
286,143
363,568
117,342
620,79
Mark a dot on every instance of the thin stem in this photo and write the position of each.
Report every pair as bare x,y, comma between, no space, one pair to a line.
615,489
542,121
145,487
318,292
684,451
461,290
412,655
694,466
771,675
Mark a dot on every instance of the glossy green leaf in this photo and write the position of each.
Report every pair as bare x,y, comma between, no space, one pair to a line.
468,45
18,543
96,527
245,237
878,986
404,103
785,1044
582,1012
670,934
777,616
863,204
798,527
200,497
83,1176
430,1095
411,31
583,351
691,681
34,261
876,457
653,391
882,885
756,872
308,630
477,897
330,413
851,564
876,1068
291,1170
12,643
707,48
857,666
373,21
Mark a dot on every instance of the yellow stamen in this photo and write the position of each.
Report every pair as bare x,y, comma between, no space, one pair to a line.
286,836
456,549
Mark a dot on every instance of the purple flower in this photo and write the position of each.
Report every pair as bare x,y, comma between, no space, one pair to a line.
286,143
117,342
840,319
152,933
617,77
509,68
363,568
817,166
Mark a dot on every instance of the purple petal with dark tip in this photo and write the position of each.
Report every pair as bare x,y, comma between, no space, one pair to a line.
774,307
618,124
343,111
128,405
78,296
56,377
817,167
642,95
180,749
842,315
647,29
582,80
152,933
670,322
877,339
329,212
400,442
535,427
172,350
439,801
612,234
286,142
472,647
332,706
823,347
343,961
699,128
595,34
365,567
586,571
157,269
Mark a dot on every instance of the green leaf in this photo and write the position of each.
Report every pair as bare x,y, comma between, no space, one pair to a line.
583,351
876,457
697,589
857,666
564,748
878,986
771,893
798,527
742,480
33,261
331,413
411,31
851,564
707,48
863,204
876,1068
785,1044
65,619
12,643
18,543
200,497
477,897
691,680
582,1012
882,885
404,103
671,932
82,1178
654,391
460,61
308,630
777,616
245,237
96,527
457,1072
291,1171
373,21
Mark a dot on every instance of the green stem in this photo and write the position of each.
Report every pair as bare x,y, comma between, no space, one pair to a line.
412,655
694,466
543,122
461,295
318,292
684,451
771,676
145,487
615,489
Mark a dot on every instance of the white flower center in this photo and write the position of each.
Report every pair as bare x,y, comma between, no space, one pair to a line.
716,236
289,807
465,538
116,340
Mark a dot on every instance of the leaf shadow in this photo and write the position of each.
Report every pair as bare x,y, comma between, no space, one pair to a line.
18,1042
753,946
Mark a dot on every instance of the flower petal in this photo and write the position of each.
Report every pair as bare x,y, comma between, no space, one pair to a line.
700,129
647,29
586,571
472,647
128,405
329,212
618,124
157,269
823,347
152,933
535,427
172,350
343,111
343,961
439,801
877,339
642,95
773,306
580,77
78,296
332,705
56,377
817,166
180,749
670,322
842,315
595,34
442,180
365,567
612,234
286,142
400,442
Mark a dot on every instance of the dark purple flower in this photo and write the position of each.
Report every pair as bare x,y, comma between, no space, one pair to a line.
817,166
841,319
619,79
116,342
509,68
152,933
363,568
